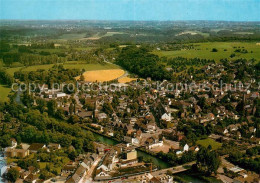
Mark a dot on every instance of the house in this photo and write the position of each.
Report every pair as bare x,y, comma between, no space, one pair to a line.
102,116
21,153
152,143
130,154
31,178
86,164
133,121
24,173
14,143
166,117
60,94
234,127
150,127
85,114
164,178
207,118
138,134
54,147
100,150
35,147
69,168
101,174
186,148
78,175
225,131
131,140
109,161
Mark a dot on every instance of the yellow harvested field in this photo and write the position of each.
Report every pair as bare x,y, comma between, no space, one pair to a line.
102,75
126,79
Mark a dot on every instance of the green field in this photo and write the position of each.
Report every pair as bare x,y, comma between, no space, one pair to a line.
207,142
203,50
89,67
67,65
11,71
82,36
72,36
4,91
194,33
112,33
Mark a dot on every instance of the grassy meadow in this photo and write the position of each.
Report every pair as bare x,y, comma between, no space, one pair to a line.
82,36
225,49
209,141
4,92
67,65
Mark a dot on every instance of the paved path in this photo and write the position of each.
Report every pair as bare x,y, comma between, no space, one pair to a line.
174,170
88,176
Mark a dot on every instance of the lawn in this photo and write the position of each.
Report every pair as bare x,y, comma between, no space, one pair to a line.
203,50
4,91
209,141
11,71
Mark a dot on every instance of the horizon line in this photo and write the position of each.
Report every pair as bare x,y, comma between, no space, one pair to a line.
129,20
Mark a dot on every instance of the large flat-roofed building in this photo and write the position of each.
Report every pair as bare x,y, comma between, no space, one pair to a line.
21,153
131,154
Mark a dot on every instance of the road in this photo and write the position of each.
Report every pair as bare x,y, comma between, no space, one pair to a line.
88,177
174,170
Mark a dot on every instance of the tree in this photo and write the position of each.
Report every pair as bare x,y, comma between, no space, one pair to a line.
8,117
207,161
5,141
214,50
12,174
107,107
72,155
60,113
73,119
52,107
41,104
71,108
82,78
45,174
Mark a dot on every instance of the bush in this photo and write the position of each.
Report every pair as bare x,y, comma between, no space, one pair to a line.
214,50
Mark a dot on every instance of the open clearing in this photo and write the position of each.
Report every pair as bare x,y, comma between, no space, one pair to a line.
203,50
102,75
209,141
4,91
82,36
97,36
193,33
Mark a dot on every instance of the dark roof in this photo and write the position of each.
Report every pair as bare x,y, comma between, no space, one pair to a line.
36,146
85,114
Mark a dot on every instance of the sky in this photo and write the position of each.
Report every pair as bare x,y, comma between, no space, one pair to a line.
227,10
